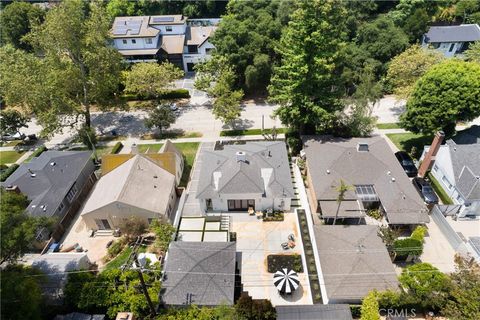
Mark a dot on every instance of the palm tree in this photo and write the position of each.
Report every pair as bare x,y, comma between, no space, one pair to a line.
342,190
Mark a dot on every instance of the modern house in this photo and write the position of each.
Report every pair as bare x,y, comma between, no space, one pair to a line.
451,40
376,180
200,273
456,167
354,261
158,38
254,175
138,187
314,312
56,183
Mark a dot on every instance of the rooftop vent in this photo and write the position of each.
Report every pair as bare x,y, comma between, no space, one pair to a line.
53,163
328,171
241,156
362,147
393,179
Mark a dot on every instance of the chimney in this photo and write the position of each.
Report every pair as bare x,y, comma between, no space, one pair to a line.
429,158
241,156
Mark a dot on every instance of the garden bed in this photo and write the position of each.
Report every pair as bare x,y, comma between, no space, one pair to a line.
275,216
277,262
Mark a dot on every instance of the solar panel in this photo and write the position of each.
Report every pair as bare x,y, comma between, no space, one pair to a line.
163,19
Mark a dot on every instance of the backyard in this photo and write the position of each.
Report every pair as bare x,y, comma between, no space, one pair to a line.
406,141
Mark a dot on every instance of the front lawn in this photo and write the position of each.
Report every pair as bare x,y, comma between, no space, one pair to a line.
277,262
189,150
149,148
406,141
10,156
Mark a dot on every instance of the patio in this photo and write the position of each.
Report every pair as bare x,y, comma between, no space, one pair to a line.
255,241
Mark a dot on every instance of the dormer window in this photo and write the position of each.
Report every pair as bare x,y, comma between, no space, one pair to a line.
148,41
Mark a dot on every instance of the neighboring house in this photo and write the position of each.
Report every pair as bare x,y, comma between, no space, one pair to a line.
252,175
138,187
56,183
354,261
169,148
314,312
170,37
369,167
451,40
199,273
456,166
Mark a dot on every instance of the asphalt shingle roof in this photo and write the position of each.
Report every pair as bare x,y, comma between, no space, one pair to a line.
470,135
461,33
466,168
314,312
330,159
201,273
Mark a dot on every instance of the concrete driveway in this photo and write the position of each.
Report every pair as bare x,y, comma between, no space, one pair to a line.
388,109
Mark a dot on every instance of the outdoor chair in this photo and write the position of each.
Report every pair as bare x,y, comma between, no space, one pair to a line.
285,246
291,237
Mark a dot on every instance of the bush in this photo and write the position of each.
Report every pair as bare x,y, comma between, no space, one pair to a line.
115,249
39,151
293,140
419,233
117,147
370,307
375,214
405,247
5,174
356,311
133,227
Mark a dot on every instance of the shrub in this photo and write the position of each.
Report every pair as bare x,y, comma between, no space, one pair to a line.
293,140
369,309
117,147
405,247
375,214
133,227
39,151
115,248
419,233
5,174
176,94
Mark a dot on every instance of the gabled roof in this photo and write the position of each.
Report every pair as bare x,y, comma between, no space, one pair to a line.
314,312
166,160
139,182
466,168
461,33
169,146
354,261
330,159
201,273
265,171
46,179
173,44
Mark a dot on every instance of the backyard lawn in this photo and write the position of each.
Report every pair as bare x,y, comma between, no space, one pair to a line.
189,150
149,148
405,141
10,156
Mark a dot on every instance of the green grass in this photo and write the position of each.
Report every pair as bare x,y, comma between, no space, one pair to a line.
101,150
189,150
388,126
122,258
13,143
249,132
405,142
439,190
10,156
151,148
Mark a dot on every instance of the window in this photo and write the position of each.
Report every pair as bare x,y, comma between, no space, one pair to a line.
447,183
208,50
71,194
451,47
124,41
435,167
366,192
134,41
192,49
61,206
168,28
148,41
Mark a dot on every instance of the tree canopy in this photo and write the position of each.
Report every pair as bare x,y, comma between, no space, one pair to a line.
448,93
160,117
11,121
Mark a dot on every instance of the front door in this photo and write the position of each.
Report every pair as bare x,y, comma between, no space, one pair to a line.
240,205
190,66
103,224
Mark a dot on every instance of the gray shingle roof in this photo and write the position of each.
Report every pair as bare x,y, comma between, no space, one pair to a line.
239,177
201,273
466,168
330,159
354,261
314,312
461,33
470,135
50,184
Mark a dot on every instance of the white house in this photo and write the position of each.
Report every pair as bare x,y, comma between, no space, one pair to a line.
239,177
170,37
456,167
451,40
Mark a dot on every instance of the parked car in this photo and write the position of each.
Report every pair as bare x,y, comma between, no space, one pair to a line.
12,137
425,190
407,163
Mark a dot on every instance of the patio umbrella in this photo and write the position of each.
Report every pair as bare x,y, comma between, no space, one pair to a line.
286,281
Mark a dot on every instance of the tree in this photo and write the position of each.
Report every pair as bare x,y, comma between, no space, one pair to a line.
473,52
133,227
160,117
164,232
79,67
342,189
194,312
427,284
117,8
464,301
88,137
17,21
11,121
388,235
150,80
249,309
448,93
406,68
305,84
20,284
370,307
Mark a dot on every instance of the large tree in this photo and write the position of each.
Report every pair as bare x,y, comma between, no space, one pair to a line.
79,67
306,83
11,121
17,19
160,117
448,93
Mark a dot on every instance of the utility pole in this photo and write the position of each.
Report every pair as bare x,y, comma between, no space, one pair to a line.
144,287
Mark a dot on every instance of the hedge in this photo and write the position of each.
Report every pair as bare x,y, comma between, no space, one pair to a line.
172,94
38,151
117,147
5,174
419,233
408,246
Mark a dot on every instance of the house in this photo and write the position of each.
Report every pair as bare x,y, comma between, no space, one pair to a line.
56,183
456,167
200,273
451,40
253,175
376,180
169,37
314,312
354,261
138,187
